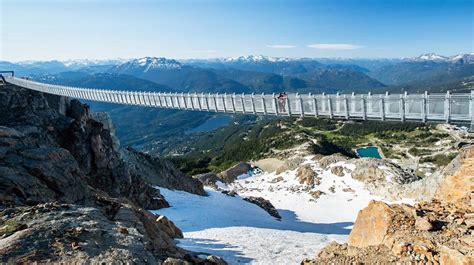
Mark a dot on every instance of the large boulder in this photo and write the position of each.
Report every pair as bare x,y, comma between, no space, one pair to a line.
326,161
208,179
264,204
231,174
306,175
370,170
375,224
161,172
459,186
69,233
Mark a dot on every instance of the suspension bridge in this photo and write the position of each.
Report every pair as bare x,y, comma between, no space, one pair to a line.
423,107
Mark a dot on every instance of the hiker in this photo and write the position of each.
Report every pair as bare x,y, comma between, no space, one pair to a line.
282,101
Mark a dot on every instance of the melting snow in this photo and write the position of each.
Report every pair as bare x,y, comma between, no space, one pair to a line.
242,233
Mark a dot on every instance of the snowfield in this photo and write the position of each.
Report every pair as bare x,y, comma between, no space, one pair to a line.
243,233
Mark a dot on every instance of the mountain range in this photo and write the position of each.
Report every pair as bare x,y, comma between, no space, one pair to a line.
261,74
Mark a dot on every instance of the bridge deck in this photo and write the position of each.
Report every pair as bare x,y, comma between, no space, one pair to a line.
449,108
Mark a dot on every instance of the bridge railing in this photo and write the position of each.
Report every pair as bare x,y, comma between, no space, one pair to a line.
419,107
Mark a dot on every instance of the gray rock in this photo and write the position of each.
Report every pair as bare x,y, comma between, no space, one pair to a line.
379,170
326,161
208,179
264,204
229,175
99,198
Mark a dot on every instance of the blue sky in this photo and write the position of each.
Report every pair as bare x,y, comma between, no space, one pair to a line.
43,30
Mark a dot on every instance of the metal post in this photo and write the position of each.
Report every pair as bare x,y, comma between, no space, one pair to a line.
300,99
252,99
315,105
242,101
275,104
177,100
369,103
338,102
199,102
324,102
192,101
288,105
346,106
330,107
153,97
264,104
353,103
171,99
233,102
206,99
424,112
142,97
447,107
223,101
214,98
364,107
471,110
382,108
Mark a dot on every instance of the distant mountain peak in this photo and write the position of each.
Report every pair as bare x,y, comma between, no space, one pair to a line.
148,63
430,57
256,58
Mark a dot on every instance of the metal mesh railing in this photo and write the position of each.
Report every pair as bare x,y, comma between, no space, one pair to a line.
419,107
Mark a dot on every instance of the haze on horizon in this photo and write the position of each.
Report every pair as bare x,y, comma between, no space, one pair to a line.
92,29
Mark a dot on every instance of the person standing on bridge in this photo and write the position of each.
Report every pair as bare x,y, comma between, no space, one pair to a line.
282,101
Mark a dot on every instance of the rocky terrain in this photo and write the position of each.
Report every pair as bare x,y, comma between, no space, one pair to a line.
68,194
435,231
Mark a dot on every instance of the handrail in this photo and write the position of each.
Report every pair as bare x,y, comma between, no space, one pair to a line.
425,107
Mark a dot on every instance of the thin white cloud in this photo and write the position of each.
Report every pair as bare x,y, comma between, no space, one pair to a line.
334,46
202,51
281,46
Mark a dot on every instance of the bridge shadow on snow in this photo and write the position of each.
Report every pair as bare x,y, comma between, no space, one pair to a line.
289,222
297,225
192,213
226,251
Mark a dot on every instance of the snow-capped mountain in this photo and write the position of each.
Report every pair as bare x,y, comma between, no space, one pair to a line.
430,57
146,64
79,63
255,59
465,58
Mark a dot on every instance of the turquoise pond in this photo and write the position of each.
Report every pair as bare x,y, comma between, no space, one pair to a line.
211,124
370,151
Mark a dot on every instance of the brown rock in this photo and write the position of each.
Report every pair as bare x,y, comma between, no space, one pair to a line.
325,161
169,227
229,175
422,224
215,260
348,190
306,175
459,186
316,194
449,256
375,223
277,179
338,171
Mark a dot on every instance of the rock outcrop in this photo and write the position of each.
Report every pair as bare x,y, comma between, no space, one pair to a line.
208,179
307,176
438,231
264,204
229,175
369,170
160,172
66,193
